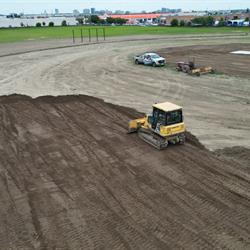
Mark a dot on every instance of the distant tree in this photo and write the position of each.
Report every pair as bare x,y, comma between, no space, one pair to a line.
94,19
182,23
44,23
102,21
222,22
80,20
64,23
174,22
210,21
203,21
247,19
51,24
247,11
199,21
38,25
120,21
110,20
189,23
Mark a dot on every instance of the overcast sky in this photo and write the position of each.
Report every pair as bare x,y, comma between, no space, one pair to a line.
38,6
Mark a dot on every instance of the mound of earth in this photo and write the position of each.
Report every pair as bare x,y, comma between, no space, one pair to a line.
72,178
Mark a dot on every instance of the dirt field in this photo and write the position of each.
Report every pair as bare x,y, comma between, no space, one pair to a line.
71,178
218,56
108,72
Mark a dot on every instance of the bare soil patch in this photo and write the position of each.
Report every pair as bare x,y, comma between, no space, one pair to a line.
71,178
217,56
110,74
239,154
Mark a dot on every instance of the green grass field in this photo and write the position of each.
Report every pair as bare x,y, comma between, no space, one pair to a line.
22,34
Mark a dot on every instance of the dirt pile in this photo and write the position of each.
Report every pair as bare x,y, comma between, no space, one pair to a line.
208,101
71,178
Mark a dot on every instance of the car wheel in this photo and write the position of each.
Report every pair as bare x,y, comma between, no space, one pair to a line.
136,62
154,64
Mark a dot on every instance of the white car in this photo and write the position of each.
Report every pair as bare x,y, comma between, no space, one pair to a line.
152,59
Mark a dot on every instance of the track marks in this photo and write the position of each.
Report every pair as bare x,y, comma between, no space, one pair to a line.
71,177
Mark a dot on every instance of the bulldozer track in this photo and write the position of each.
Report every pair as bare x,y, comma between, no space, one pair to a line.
70,176
119,81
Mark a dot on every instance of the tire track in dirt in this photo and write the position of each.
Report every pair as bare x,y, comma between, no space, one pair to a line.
80,180
108,72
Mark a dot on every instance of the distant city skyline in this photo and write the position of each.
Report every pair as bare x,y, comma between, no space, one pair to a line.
33,6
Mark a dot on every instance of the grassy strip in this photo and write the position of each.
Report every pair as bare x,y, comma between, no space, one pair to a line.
22,34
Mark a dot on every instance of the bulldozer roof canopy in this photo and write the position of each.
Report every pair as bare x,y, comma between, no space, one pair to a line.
167,106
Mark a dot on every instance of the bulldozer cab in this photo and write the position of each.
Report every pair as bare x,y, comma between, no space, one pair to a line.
165,114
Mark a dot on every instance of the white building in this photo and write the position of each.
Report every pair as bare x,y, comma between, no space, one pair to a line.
237,23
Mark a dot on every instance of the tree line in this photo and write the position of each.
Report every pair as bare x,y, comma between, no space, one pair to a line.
51,24
94,19
200,21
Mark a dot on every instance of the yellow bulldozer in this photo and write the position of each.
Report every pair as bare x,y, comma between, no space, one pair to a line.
165,125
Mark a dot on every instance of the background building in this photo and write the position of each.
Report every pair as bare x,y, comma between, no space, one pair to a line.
86,11
76,13
139,18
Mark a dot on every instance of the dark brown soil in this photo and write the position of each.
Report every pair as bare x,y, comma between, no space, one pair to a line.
238,154
216,56
71,178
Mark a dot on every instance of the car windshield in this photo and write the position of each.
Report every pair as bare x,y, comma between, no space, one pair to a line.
155,56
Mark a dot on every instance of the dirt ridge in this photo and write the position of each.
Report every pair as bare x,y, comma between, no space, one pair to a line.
70,177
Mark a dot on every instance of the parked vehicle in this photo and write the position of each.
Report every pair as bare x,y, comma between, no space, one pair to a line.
152,59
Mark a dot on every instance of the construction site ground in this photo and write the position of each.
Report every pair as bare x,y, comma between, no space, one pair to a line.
219,56
72,178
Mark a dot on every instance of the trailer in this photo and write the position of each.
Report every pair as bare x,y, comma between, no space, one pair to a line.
189,68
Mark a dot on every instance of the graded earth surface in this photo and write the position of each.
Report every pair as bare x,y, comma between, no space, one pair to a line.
216,107
72,178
